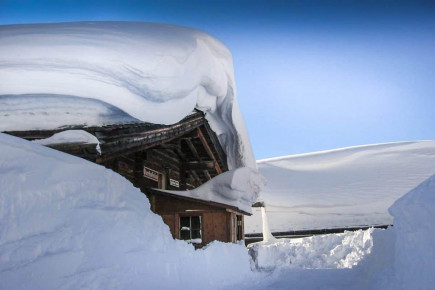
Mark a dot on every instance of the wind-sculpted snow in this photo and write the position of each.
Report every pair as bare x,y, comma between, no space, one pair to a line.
66,223
35,111
156,73
414,216
401,257
238,188
345,187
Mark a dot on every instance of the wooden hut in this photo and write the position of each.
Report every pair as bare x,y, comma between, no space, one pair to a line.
161,158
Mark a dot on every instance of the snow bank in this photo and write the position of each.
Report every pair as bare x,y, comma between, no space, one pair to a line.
326,251
414,215
401,257
238,188
156,73
340,188
66,223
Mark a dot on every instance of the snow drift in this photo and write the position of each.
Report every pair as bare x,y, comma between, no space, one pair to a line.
414,215
341,188
401,257
238,188
96,73
66,223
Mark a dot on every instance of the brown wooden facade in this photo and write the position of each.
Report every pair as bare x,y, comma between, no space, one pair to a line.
169,157
218,221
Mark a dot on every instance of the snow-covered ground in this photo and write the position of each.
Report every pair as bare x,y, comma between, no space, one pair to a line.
402,257
66,223
340,188
336,251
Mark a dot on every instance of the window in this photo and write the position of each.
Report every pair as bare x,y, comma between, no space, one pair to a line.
239,228
190,229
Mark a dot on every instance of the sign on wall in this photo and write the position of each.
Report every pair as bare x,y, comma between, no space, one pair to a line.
173,182
151,174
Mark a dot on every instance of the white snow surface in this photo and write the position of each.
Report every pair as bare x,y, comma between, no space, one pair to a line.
98,73
401,257
66,223
69,136
346,187
336,251
238,188
414,216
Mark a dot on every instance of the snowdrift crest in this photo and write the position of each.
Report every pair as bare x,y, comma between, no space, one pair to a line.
156,73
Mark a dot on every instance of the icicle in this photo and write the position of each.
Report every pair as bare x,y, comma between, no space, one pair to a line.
267,235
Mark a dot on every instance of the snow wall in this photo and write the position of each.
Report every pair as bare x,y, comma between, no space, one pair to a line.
401,257
414,216
66,223
96,73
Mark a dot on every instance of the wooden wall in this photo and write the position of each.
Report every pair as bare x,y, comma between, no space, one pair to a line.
217,223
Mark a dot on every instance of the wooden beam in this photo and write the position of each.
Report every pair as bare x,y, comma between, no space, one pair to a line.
133,149
196,165
209,152
192,148
207,174
165,155
195,175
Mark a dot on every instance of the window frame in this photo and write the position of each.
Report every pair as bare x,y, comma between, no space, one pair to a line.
190,228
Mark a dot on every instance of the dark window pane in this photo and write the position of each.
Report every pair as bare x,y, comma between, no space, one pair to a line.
196,234
184,221
185,235
196,223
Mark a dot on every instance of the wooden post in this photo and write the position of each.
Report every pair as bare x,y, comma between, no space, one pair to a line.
209,152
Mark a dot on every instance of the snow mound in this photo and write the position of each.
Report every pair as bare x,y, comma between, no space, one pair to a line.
66,223
414,215
69,136
238,188
341,188
151,72
335,251
28,111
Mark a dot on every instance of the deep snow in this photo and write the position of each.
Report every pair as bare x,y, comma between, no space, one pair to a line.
70,136
401,257
340,188
66,223
414,216
238,188
96,73
337,251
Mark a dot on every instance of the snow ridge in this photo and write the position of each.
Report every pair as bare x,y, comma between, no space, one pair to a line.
151,72
341,188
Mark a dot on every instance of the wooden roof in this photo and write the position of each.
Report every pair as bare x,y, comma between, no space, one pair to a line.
191,138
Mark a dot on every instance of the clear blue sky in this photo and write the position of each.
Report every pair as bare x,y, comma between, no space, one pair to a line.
311,75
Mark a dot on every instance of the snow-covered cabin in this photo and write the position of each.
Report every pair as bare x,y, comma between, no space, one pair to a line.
153,102
165,162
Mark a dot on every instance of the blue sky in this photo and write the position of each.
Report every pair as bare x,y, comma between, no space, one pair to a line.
311,75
